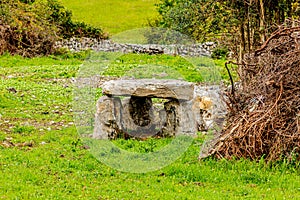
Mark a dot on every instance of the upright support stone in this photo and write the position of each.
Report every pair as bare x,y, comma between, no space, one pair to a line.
180,118
187,120
107,118
104,118
172,118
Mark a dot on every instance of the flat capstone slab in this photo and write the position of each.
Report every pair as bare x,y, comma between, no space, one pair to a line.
152,88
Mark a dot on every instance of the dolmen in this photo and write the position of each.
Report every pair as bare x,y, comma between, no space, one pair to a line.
142,108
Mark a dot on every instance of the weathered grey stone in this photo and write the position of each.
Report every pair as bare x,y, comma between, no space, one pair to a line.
213,108
78,44
117,103
105,121
180,118
172,119
201,109
187,120
152,88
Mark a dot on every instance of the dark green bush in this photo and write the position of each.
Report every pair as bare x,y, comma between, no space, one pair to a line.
64,53
199,19
62,18
220,52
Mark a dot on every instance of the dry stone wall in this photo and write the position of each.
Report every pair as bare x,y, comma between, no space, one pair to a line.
78,44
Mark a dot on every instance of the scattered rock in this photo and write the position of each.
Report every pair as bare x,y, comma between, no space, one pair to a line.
8,144
11,89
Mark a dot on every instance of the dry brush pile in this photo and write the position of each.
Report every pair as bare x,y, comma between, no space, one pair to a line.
264,111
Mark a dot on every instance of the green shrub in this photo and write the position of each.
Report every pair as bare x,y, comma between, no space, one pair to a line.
62,18
220,52
65,53
199,19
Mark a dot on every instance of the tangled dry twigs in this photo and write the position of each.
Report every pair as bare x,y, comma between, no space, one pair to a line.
26,43
264,112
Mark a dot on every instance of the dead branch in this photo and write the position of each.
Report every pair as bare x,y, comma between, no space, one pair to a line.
264,117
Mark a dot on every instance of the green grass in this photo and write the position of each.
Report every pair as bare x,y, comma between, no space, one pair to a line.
196,69
59,166
114,16
159,66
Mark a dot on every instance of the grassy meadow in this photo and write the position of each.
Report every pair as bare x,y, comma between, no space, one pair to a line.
113,16
43,157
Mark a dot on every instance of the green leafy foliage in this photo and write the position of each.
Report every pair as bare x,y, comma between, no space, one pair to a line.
25,29
62,18
220,52
241,25
200,19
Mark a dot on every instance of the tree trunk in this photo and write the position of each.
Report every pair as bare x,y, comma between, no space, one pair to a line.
289,8
247,8
243,40
276,9
262,22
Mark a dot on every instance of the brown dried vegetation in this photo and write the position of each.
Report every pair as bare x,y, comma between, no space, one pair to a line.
31,29
24,30
264,112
